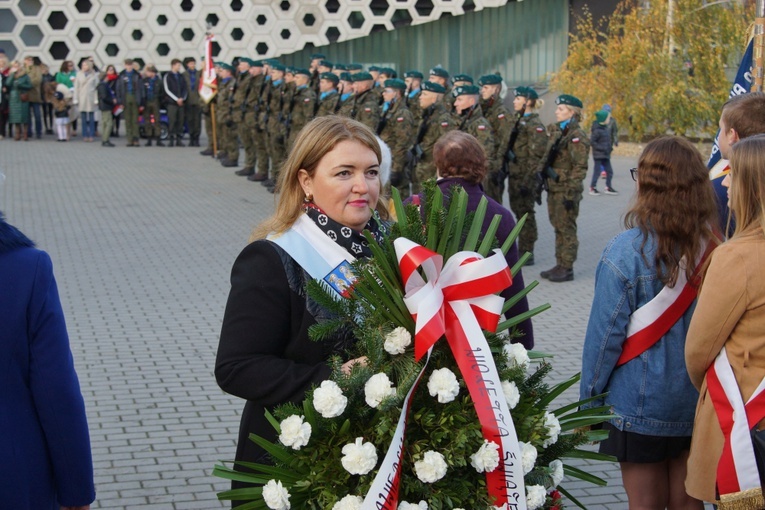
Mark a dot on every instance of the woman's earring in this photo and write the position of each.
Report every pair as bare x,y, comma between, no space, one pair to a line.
308,198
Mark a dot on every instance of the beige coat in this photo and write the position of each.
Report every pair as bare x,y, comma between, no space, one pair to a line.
730,312
85,95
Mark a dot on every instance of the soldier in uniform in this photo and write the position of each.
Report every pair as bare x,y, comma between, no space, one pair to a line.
463,79
275,127
435,121
396,128
224,122
256,108
338,69
328,94
302,106
413,80
152,94
247,125
354,68
441,76
316,59
528,149
502,123
192,107
563,196
325,66
470,119
239,106
207,112
365,107
377,88
344,105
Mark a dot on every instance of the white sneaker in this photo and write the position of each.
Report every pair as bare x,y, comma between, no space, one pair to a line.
594,192
611,191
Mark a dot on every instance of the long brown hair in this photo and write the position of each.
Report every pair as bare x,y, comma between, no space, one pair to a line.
747,176
314,141
675,205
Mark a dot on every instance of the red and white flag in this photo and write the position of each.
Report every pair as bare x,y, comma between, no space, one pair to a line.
208,86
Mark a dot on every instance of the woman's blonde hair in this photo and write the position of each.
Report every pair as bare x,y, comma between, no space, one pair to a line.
314,141
747,196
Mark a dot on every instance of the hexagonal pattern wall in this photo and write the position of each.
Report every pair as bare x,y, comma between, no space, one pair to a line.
160,30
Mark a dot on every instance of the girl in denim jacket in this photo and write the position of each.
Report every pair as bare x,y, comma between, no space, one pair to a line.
648,388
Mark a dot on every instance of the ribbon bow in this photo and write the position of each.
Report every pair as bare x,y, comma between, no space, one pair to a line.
468,281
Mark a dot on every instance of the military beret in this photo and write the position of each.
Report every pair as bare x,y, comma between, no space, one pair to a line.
318,56
440,72
247,61
355,67
271,61
341,67
257,63
413,74
326,63
388,71
223,65
601,116
462,77
300,70
278,67
568,100
374,68
289,70
362,76
346,76
466,90
433,87
395,83
329,76
526,92
490,79
217,63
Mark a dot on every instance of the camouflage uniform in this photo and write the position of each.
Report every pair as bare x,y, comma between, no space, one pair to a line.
474,123
224,123
564,196
529,149
238,111
345,108
249,126
413,104
366,109
435,122
207,114
303,105
397,130
502,123
261,137
327,105
449,99
276,129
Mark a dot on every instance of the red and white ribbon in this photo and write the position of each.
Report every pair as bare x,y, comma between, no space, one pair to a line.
737,469
457,301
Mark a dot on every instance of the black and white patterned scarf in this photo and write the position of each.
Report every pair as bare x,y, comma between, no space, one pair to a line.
351,240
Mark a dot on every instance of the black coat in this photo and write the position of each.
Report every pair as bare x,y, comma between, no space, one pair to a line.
265,355
106,97
600,138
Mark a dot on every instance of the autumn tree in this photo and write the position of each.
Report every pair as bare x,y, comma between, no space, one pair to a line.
626,61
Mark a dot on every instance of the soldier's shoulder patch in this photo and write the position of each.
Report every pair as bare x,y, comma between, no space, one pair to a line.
481,127
444,124
367,110
307,100
400,119
501,116
575,140
540,129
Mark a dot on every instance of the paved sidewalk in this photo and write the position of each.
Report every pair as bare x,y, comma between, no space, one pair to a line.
142,242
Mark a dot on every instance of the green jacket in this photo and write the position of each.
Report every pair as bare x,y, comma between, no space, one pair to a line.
502,123
302,106
572,159
530,146
474,123
438,122
366,109
398,132
327,105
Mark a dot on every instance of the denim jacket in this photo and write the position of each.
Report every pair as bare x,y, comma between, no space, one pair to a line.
651,394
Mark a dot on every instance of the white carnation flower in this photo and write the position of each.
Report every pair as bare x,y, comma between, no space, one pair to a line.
431,468
422,505
535,497
528,456
443,383
553,430
516,355
556,472
397,341
276,496
295,432
359,458
329,400
512,395
377,388
486,459
348,503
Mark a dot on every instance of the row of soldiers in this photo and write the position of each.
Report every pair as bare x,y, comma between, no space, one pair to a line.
264,105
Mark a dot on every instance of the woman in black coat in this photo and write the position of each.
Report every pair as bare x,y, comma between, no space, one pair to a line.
330,188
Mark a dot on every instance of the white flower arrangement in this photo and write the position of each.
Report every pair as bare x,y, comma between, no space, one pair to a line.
377,388
328,399
528,456
397,341
486,459
359,458
535,496
443,384
422,505
556,472
276,496
431,468
517,355
512,395
553,429
295,432
348,503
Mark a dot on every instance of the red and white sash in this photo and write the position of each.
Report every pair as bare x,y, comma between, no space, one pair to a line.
649,323
737,469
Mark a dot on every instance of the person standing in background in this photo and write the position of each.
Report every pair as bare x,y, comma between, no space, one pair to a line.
600,137
111,78
18,84
32,65
152,102
107,100
66,75
4,95
176,92
130,95
47,107
86,98
192,112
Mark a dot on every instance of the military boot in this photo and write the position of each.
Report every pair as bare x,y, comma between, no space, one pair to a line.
248,170
206,152
546,274
562,274
148,143
159,142
179,143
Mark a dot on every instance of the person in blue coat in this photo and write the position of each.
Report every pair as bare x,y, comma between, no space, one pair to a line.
44,440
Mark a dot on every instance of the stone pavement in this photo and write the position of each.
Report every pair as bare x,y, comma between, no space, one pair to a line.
142,242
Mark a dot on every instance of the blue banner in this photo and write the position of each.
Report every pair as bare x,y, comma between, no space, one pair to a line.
719,169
